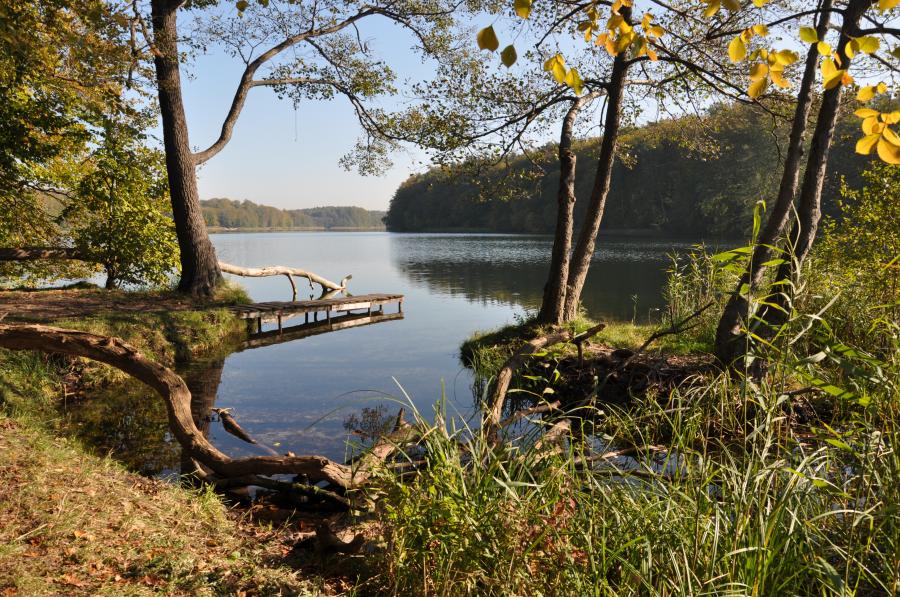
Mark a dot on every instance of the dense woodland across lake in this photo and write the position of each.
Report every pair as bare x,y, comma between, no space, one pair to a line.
680,176
230,213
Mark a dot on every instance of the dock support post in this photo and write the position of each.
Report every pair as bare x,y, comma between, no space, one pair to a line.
259,325
280,330
306,317
400,306
328,315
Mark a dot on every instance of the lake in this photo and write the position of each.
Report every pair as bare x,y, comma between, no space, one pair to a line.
298,395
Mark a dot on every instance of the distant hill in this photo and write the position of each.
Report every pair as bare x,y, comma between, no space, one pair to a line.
233,214
682,176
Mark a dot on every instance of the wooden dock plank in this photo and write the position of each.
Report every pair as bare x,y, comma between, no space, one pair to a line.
270,310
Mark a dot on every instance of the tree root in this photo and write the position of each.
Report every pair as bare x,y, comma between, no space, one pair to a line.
177,398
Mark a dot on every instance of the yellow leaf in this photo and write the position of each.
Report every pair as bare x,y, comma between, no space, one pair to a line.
711,8
865,145
487,39
573,80
823,48
779,79
760,3
786,57
809,35
866,113
896,52
888,152
656,31
732,5
890,136
760,30
758,71
846,79
828,68
871,126
834,79
652,55
868,44
508,56
522,8
851,49
757,88
886,5
891,117
556,65
882,87
865,93
737,51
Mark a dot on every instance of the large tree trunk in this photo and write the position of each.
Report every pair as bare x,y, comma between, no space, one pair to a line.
809,209
584,250
731,337
554,301
199,267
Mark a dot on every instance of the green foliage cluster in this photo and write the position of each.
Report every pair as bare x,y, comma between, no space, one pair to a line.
120,218
75,166
229,213
691,176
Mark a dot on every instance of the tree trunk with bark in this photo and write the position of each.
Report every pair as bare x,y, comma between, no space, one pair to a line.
199,267
554,300
584,250
809,209
731,338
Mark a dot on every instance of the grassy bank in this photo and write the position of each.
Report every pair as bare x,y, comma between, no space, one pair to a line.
716,486
73,522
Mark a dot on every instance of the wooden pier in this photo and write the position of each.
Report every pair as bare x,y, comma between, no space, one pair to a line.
257,313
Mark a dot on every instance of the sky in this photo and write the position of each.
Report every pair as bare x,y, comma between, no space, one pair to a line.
289,159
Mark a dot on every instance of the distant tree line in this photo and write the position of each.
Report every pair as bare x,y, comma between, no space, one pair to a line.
230,213
682,176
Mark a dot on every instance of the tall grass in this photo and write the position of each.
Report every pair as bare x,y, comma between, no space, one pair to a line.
762,511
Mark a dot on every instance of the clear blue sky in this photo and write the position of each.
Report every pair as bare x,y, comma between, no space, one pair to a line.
265,162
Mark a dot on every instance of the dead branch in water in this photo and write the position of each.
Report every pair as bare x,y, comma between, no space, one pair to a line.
279,270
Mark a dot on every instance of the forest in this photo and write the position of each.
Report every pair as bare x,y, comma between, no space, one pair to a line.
233,214
451,414
694,176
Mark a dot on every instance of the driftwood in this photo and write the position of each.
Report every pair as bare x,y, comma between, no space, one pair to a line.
230,424
328,287
177,398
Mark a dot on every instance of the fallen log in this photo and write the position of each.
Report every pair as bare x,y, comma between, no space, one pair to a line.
278,270
177,398
329,288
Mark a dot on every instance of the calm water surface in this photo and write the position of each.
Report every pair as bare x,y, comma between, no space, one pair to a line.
297,395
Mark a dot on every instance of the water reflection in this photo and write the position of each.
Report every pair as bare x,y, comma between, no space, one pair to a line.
130,421
297,395
624,282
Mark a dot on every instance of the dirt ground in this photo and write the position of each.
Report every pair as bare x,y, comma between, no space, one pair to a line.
49,305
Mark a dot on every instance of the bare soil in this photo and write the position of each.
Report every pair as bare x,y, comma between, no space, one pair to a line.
48,305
